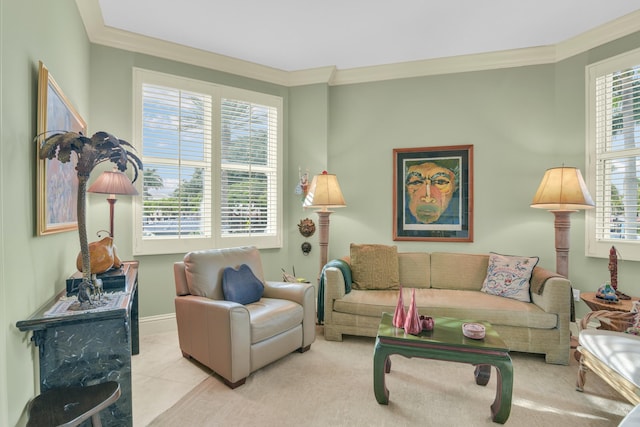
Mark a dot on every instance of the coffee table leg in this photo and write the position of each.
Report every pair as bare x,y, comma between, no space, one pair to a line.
482,374
380,363
501,406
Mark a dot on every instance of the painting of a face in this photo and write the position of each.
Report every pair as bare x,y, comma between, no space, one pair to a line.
430,188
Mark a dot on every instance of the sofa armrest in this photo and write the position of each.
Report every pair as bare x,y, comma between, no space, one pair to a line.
303,294
205,324
334,288
555,296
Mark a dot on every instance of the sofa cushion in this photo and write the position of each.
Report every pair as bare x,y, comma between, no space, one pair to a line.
374,266
270,317
241,285
508,276
469,305
458,271
414,269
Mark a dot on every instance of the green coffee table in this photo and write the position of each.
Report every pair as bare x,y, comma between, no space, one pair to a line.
446,342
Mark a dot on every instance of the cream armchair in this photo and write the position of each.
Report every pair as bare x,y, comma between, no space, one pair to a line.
234,339
611,354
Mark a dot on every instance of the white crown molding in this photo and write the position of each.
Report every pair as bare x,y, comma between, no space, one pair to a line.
98,33
456,64
598,36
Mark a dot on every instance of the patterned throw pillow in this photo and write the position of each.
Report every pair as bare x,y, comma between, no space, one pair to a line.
508,276
374,267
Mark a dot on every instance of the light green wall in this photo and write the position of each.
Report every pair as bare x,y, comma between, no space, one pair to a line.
111,107
32,269
521,121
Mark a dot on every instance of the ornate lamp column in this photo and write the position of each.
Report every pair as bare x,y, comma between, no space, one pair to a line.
562,192
324,193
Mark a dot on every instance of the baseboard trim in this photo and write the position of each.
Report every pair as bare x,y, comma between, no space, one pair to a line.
158,324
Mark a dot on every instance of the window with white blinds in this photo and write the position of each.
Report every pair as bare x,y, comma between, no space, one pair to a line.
249,168
613,155
212,165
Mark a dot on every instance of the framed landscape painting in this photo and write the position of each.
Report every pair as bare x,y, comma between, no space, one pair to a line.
57,183
433,193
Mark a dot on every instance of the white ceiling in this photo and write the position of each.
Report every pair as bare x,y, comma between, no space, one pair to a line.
293,35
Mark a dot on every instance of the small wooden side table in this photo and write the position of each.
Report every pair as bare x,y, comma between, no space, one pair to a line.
596,304
70,406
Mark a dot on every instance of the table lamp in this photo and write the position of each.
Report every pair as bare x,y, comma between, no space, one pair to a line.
562,192
324,193
113,183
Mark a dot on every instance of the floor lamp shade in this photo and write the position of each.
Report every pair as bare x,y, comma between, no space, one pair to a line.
324,193
562,191
113,183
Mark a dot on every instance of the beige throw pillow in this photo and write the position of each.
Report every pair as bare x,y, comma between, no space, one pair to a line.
374,267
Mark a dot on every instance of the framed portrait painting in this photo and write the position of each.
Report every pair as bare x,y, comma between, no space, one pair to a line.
57,182
433,193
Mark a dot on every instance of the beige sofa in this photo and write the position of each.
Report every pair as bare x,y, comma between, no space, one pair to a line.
448,285
233,339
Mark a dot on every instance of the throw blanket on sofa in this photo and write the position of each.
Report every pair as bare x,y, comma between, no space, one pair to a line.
346,272
537,285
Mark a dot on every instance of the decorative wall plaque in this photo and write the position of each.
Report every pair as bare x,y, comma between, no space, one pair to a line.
307,227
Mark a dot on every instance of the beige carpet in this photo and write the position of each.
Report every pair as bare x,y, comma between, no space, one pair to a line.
332,385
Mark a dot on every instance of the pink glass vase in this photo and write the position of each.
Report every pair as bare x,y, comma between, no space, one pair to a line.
399,315
412,324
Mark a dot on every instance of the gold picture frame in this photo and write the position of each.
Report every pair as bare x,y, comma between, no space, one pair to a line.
56,182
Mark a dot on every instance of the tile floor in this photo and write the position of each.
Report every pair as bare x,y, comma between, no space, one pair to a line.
161,376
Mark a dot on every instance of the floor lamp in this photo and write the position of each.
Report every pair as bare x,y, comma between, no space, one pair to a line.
324,193
113,183
562,192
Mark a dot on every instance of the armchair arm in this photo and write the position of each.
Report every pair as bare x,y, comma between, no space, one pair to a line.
303,294
216,333
295,292
616,320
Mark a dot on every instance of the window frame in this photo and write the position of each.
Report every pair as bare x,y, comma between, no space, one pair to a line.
176,244
594,247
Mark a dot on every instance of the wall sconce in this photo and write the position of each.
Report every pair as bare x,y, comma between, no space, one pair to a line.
562,192
113,183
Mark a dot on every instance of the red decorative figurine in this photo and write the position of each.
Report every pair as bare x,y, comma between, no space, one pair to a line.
613,270
613,267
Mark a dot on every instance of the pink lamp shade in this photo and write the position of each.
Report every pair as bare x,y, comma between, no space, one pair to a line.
113,183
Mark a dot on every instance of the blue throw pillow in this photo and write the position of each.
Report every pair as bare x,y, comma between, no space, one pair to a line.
241,285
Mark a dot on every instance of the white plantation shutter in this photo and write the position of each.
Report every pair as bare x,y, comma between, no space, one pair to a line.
249,168
614,155
212,168
176,145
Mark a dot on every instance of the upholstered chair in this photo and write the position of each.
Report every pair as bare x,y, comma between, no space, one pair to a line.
231,338
610,353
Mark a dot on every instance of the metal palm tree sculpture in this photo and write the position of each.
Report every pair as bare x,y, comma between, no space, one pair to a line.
101,147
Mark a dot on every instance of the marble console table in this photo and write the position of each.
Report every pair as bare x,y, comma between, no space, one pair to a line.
86,347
